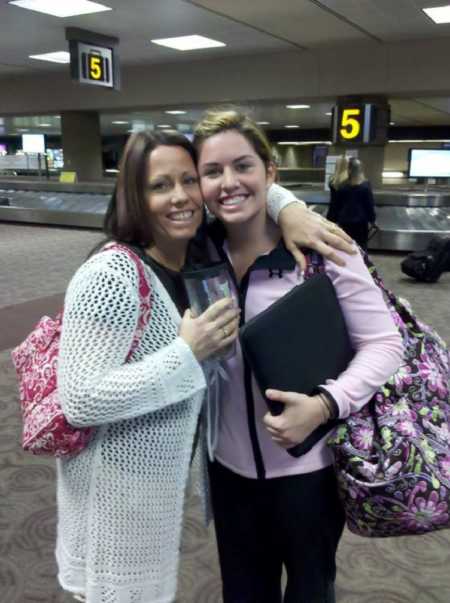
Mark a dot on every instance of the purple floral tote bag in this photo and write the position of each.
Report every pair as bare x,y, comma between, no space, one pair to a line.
392,458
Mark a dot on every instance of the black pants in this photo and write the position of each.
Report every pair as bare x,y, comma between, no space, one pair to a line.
261,525
359,231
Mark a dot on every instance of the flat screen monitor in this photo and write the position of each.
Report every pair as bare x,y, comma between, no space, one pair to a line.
429,163
33,143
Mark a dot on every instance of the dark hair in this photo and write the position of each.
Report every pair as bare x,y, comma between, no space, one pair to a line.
127,218
355,171
219,120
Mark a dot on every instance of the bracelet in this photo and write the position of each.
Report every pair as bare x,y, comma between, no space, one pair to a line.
331,408
325,409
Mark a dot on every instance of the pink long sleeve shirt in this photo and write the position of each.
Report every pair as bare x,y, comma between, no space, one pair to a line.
243,444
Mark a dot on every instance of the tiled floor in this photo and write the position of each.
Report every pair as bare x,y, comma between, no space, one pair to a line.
35,266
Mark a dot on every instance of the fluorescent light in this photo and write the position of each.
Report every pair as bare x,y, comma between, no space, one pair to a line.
112,171
54,57
188,43
422,140
393,174
438,14
328,113
23,130
263,123
298,106
304,142
119,122
45,125
66,8
291,126
392,123
164,126
175,112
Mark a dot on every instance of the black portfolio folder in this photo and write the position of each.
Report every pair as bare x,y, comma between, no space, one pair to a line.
296,344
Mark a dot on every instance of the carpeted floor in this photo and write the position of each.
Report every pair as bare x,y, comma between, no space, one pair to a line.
36,264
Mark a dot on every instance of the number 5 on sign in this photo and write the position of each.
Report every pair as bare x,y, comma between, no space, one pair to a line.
350,124
95,67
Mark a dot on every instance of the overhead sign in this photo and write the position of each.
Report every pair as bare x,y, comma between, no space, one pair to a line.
93,58
357,124
96,65
352,123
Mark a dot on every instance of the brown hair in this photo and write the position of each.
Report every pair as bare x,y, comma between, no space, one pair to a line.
127,218
219,120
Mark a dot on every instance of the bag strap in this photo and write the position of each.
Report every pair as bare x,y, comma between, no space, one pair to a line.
144,290
378,280
314,263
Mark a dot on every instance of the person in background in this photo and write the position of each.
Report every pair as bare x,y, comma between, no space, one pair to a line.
352,205
269,508
336,181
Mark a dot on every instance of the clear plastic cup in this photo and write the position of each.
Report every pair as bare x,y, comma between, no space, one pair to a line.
205,286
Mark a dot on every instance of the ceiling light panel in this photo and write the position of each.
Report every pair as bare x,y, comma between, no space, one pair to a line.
298,106
438,14
62,8
184,43
53,57
175,112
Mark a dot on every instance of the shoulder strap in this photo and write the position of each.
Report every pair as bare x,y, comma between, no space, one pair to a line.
378,280
314,263
144,290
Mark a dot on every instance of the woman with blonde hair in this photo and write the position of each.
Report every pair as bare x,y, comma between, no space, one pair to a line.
271,509
352,204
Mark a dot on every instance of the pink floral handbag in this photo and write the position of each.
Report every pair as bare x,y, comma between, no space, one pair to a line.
45,428
392,458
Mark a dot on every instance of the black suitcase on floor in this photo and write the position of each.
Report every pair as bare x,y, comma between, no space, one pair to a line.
428,265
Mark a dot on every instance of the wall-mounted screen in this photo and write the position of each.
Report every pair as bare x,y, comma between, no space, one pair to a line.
33,143
429,163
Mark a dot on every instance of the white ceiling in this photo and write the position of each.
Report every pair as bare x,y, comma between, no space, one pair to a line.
247,27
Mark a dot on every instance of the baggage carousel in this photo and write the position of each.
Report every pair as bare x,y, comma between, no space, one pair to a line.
406,219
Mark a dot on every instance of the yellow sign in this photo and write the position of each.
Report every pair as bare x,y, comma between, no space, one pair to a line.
68,177
350,124
95,67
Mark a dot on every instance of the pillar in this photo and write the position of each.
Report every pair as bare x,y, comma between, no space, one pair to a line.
82,145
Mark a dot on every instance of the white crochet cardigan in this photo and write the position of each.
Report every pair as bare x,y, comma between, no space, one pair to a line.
120,501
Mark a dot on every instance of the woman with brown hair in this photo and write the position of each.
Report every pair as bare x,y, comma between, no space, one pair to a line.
120,501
